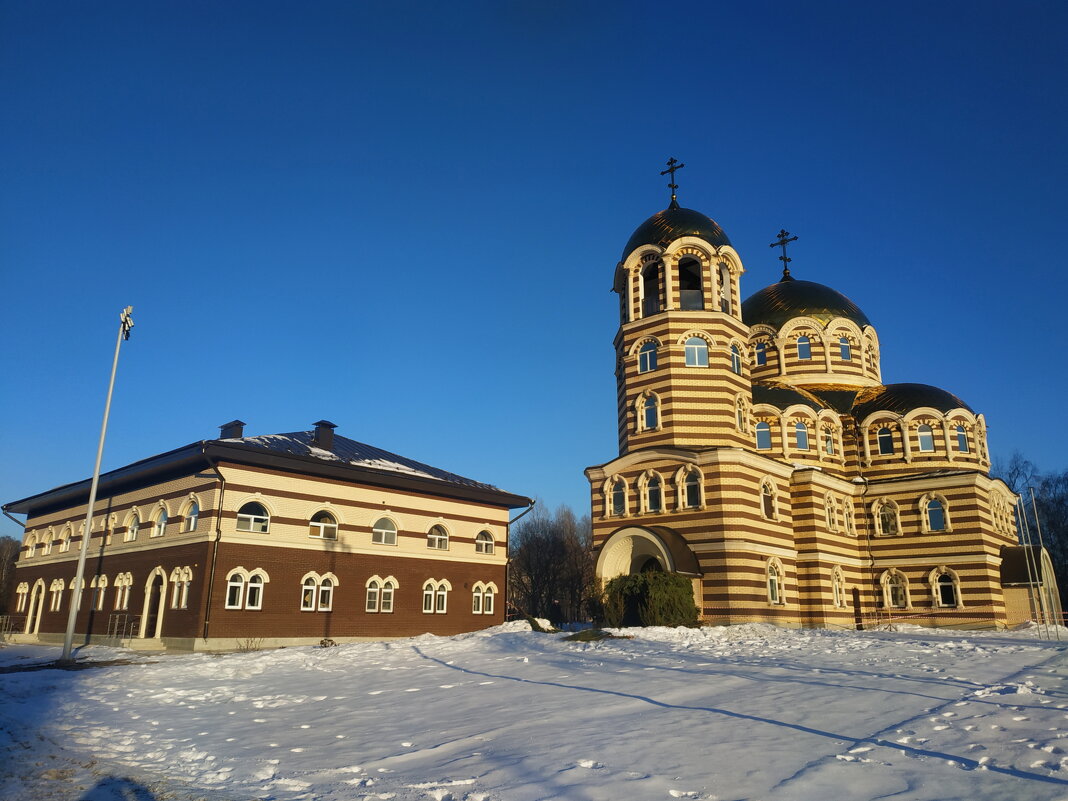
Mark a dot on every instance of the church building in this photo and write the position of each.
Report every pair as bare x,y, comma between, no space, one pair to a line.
762,455
248,542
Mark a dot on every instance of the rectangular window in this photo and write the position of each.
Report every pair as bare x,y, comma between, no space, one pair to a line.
307,598
487,603
428,601
255,595
476,602
233,594
440,607
326,596
372,599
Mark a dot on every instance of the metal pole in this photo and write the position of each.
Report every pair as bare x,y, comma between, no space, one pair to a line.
125,324
1046,594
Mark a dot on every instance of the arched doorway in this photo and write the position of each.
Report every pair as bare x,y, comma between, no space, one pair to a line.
152,616
33,617
640,549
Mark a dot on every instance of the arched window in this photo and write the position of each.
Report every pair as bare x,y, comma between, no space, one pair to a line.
323,526
388,588
962,440
133,525
763,436
651,289
619,497
435,597
801,434
844,349
192,517
235,590
307,595
384,532
838,587
724,289
253,517
651,413
741,415
947,593
483,542
736,360
487,600
886,442
887,515
160,526
691,488
895,590
373,591
647,357
691,297
696,352
831,510
774,583
653,495
254,595
437,538
828,441
767,500
850,522
317,592
936,515
804,348
926,437
64,539
761,354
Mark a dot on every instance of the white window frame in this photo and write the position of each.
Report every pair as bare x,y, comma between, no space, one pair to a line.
696,352
159,523
647,357
370,604
235,592
133,527
845,350
253,523
804,355
962,440
925,438
801,435
736,360
437,541
484,543
254,590
192,517
321,527
384,536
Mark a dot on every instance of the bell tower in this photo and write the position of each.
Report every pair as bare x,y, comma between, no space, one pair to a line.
682,366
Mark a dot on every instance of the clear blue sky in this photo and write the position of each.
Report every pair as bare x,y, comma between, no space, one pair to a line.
404,217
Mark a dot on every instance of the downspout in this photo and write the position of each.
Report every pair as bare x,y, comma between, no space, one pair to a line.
507,558
218,536
23,525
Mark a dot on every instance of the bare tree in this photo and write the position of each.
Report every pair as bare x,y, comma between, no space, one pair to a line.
9,552
551,565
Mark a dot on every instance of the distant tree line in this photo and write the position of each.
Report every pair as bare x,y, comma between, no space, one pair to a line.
550,574
9,553
1050,504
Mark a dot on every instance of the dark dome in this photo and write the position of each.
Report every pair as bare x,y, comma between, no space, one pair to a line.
783,397
776,304
668,225
903,398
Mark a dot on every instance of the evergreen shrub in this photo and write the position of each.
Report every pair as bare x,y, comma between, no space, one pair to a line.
649,599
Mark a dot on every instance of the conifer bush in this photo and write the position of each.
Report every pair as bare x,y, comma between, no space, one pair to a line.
649,599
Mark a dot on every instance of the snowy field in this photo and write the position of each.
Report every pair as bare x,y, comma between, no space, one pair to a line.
749,712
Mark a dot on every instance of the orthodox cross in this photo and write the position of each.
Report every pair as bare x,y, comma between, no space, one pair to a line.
673,164
784,237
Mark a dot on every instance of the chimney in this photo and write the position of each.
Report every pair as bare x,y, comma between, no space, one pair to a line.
324,435
235,429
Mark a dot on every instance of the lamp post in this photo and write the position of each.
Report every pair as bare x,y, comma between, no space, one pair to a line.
125,324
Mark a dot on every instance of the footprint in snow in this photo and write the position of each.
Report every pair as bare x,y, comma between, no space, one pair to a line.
589,763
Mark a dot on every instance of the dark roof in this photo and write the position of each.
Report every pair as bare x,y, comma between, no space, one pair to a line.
674,222
350,452
903,398
347,460
782,397
1021,565
779,303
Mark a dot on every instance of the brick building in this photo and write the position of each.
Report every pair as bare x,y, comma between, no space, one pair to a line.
267,540
761,454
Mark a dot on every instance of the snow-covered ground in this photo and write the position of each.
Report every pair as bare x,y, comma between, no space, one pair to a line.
748,712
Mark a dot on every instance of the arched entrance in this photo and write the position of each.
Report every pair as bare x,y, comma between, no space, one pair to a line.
640,549
152,616
33,616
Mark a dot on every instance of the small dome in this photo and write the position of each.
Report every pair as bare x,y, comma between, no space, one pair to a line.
666,226
903,398
777,304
